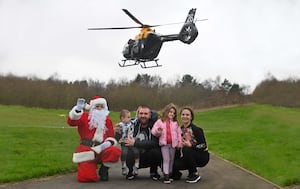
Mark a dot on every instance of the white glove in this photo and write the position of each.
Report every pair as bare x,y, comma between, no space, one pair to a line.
98,149
80,104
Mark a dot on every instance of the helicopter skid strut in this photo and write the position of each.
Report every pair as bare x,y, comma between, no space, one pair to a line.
126,65
141,63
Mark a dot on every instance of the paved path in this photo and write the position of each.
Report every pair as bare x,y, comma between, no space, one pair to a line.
218,174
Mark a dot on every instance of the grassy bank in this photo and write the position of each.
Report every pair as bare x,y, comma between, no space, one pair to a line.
264,139
34,143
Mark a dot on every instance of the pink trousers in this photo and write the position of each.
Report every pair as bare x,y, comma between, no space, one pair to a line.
168,154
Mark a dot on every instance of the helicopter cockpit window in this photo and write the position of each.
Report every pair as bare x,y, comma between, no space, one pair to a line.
126,50
131,41
136,48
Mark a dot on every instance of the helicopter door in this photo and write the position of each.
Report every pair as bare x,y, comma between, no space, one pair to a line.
138,47
151,46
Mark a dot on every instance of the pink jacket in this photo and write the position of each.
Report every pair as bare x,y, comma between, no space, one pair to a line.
175,133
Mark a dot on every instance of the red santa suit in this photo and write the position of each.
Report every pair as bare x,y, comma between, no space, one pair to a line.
97,143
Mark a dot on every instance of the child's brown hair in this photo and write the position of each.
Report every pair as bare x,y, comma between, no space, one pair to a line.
166,110
123,113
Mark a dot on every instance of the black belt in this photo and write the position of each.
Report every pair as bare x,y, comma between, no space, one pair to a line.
90,143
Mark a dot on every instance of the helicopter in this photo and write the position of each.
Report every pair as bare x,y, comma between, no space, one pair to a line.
145,47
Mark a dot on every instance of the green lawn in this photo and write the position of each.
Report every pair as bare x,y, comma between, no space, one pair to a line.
260,138
264,139
34,142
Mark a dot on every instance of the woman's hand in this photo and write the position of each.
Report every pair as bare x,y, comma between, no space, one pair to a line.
186,143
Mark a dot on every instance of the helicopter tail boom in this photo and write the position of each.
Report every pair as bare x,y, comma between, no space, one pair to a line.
188,32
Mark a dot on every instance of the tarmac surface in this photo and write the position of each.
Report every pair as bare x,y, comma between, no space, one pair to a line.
218,174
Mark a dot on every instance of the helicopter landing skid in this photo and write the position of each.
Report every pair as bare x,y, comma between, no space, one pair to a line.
142,63
123,64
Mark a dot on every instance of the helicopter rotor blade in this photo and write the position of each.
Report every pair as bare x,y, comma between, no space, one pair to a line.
201,19
116,28
133,18
175,23
140,23
124,28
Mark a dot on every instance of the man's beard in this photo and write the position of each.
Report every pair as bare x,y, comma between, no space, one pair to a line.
144,122
97,118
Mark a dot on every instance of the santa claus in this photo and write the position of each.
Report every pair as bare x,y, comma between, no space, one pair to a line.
97,142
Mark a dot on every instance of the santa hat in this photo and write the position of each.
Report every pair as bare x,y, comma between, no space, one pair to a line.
95,101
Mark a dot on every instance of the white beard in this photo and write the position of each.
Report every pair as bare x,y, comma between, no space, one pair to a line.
97,120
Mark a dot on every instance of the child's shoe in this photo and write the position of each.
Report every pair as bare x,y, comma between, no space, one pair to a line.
124,170
167,179
135,170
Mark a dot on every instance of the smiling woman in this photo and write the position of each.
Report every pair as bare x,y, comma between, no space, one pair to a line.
194,152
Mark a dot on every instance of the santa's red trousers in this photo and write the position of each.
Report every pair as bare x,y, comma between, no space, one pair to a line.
87,171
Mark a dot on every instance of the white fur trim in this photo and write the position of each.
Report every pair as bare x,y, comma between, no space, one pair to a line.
74,115
108,164
99,101
83,156
112,140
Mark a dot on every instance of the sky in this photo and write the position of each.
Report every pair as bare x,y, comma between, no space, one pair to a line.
243,41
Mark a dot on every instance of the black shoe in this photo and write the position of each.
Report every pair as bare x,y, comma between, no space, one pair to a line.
103,172
193,178
155,176
176,175
167,179
130,176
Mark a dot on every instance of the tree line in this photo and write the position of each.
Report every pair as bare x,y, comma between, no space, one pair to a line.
279,93
143,89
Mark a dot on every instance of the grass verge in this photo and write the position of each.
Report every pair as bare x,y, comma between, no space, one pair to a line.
263,139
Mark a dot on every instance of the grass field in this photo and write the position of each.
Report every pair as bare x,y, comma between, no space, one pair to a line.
263,139
260,138
34,143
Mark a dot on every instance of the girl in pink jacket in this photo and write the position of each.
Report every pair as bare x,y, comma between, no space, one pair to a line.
169,133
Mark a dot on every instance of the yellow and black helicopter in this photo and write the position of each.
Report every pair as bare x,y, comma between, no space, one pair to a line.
146,45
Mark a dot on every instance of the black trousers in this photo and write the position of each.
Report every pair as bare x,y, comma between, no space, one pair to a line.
151,158
125,150
191,159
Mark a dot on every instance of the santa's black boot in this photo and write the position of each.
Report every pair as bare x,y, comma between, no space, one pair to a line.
103,172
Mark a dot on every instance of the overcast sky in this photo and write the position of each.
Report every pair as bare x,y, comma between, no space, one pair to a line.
242,40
